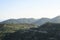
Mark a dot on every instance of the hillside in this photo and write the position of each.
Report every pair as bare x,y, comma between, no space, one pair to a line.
39,22
11,28
30,28
48,31
19,21
45,20
55,19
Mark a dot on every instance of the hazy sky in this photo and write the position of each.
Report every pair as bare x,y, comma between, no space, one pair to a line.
29,8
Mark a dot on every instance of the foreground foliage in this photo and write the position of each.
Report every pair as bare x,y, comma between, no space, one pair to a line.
6,29
48,31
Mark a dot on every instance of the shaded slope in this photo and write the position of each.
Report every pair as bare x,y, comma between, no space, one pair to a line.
42,21
55,19
11,28
52,32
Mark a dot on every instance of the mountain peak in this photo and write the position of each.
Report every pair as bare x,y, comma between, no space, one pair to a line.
57,17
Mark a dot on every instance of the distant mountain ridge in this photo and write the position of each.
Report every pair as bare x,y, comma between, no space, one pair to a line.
55,19
42,21
45,20
18,21
32,21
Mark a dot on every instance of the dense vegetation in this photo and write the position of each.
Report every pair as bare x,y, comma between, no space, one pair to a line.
48,31
11,28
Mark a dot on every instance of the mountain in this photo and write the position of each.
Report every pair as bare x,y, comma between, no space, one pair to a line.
18,21
32,21
48,31
41,21
45,20
55,19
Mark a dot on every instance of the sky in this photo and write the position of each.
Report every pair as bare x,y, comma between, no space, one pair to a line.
29,8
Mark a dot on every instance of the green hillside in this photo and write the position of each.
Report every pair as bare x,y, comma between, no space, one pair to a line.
48,31
11,28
